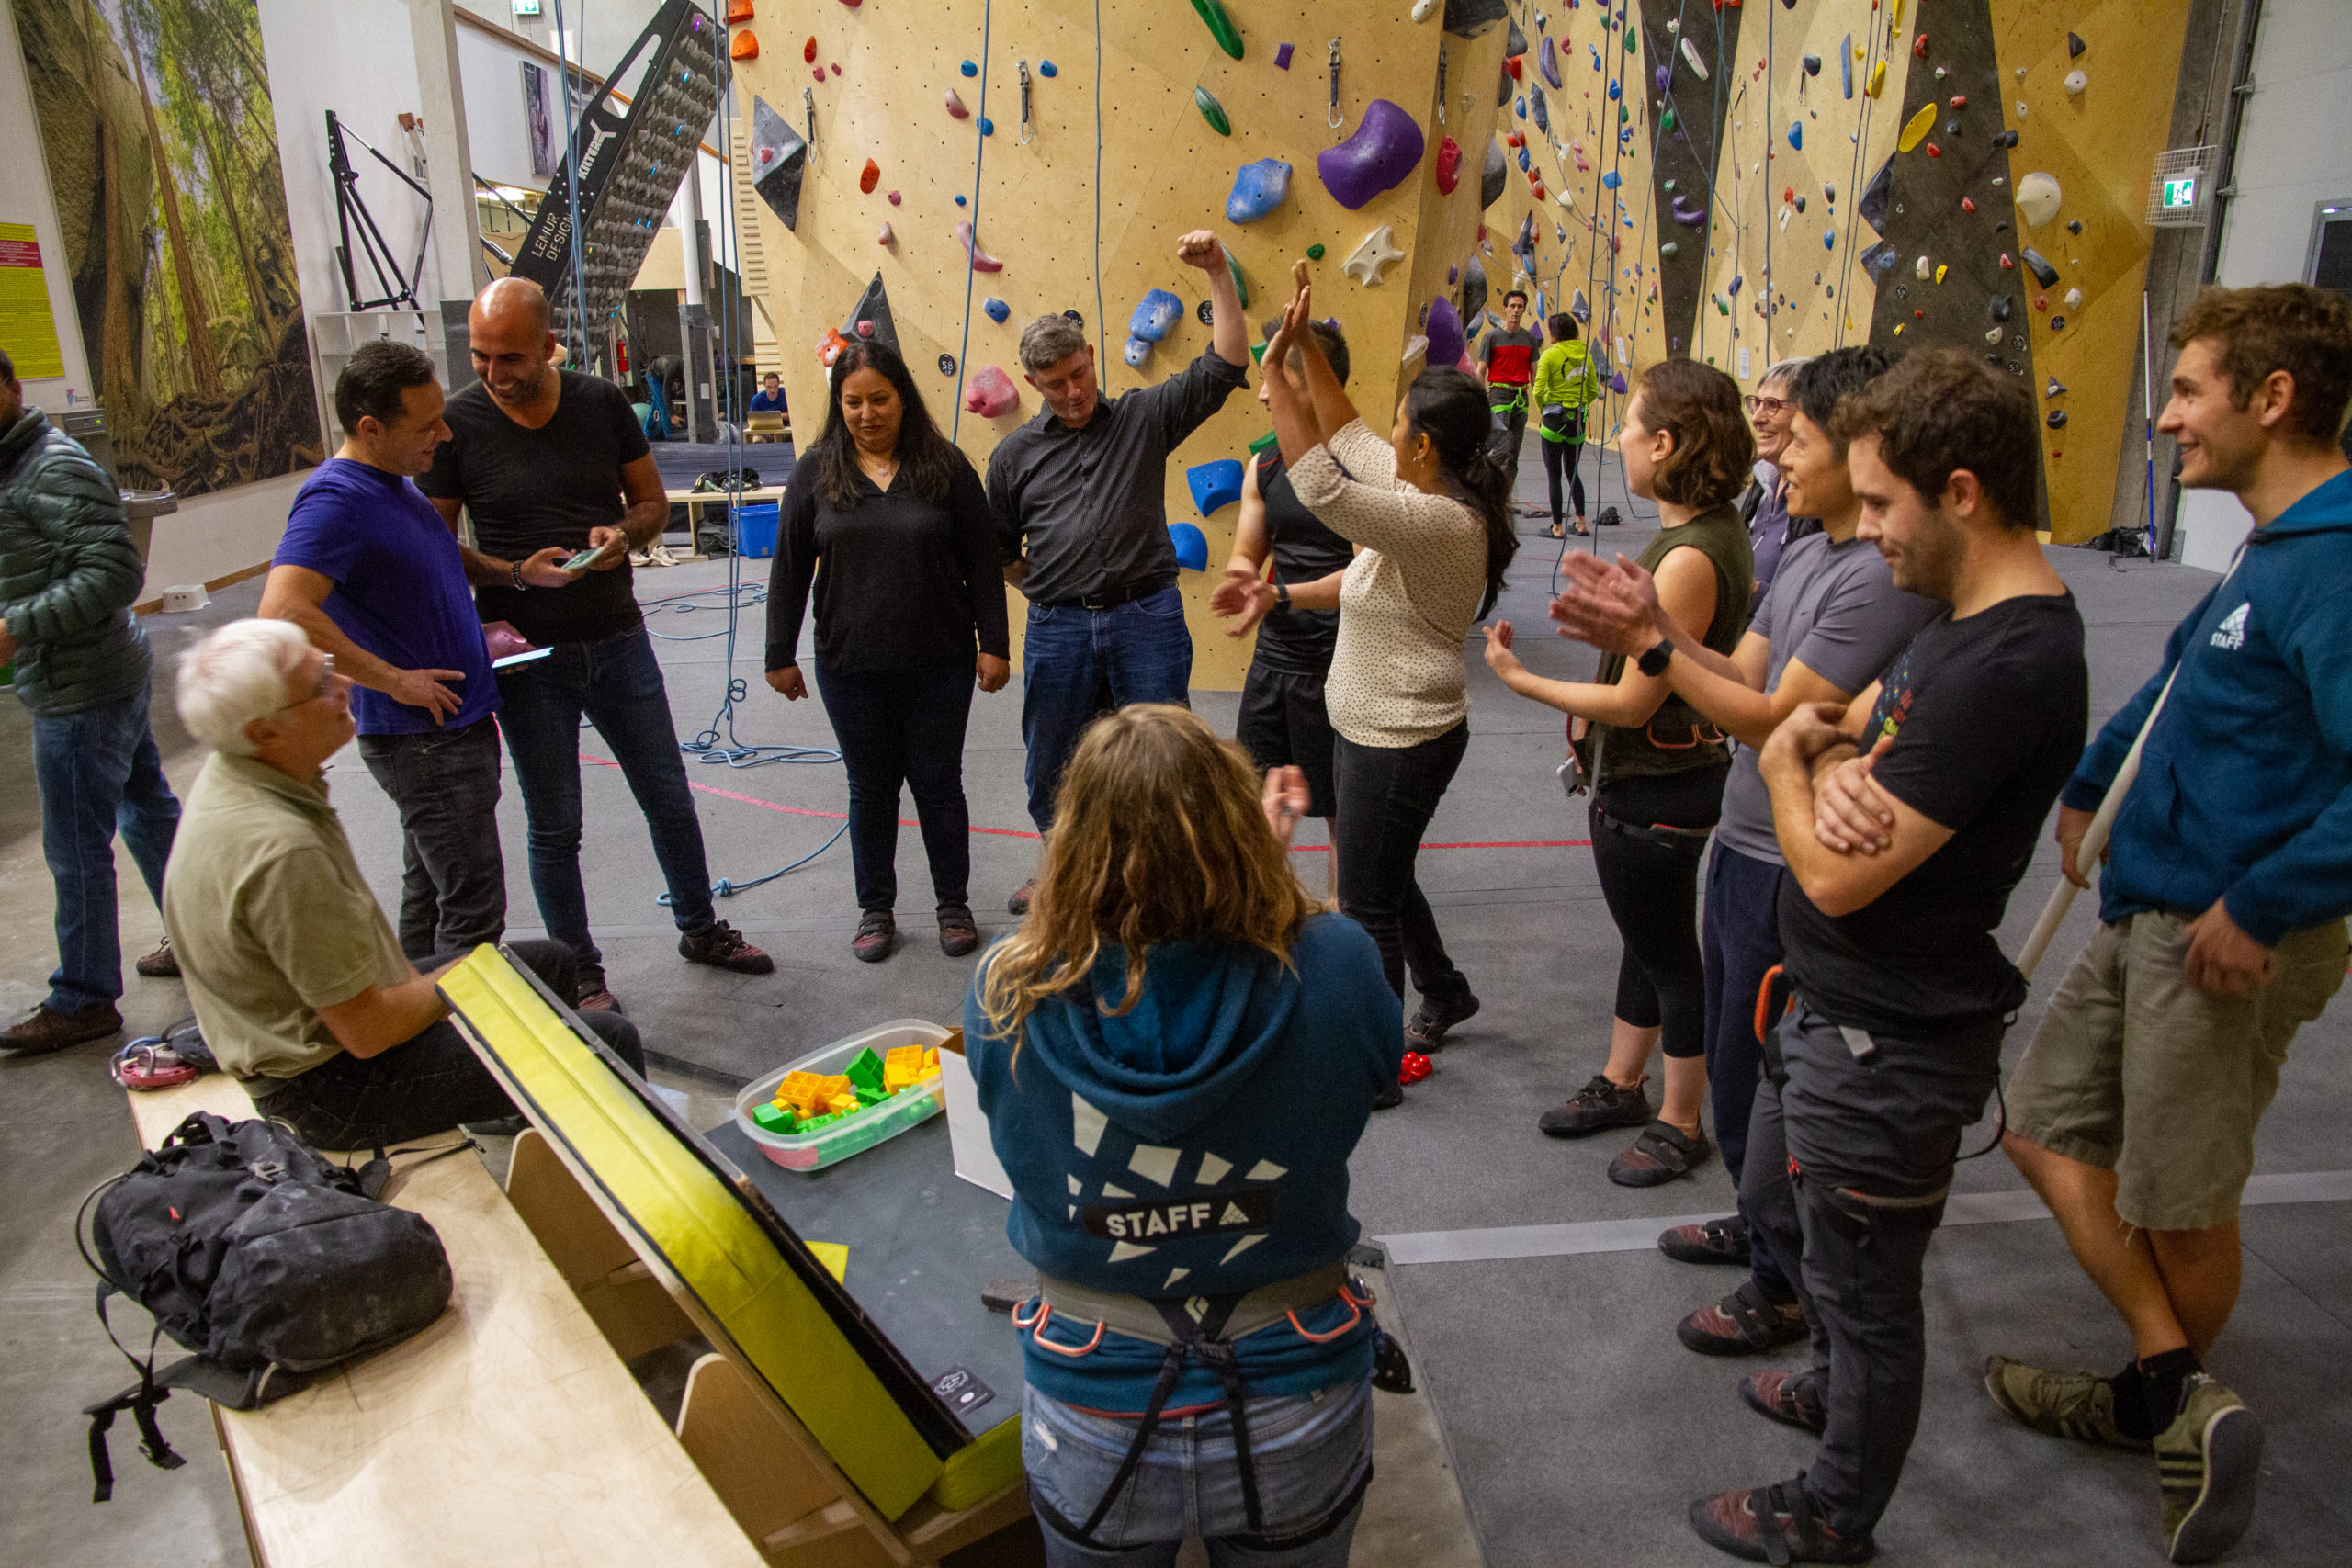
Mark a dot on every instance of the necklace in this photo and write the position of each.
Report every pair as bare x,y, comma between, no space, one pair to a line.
881,470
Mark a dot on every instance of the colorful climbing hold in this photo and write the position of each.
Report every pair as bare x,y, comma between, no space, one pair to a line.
808,50
1154,315
1878,79
894,198
869,177
982,260
1811,63
1796,134
1315,253
1383,150
1691,58
1916,130
2075,46
969,69
1548,64
1829,239
1919,47
2057,419
1258,189
745,45
1444,328
1220,25
1966,205
955,106
997,308
1282,57
2038,198
1210,110
2074,299
1048,68
1377,251
1933,151
1670,248
1447,169
885,235
990,392
987,126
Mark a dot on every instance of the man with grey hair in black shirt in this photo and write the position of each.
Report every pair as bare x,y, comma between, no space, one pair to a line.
1077,493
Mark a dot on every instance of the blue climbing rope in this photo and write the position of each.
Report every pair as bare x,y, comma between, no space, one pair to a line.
979,156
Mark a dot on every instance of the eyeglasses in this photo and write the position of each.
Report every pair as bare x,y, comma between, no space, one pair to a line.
326,687
1764,408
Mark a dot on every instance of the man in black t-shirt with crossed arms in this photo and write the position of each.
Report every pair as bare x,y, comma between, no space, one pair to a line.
1900,994
549,462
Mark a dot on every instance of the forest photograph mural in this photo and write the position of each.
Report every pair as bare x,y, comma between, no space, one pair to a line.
163,157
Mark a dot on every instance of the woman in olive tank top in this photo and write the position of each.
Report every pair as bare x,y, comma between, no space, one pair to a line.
1657,767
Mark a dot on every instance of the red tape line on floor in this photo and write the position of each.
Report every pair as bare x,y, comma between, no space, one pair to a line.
1018,833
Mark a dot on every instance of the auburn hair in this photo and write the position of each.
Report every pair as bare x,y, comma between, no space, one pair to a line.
1713,448
2293,327
1158,836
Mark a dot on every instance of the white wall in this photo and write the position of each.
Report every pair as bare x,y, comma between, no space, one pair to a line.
2294,150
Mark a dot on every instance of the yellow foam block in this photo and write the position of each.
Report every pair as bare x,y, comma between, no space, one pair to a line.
834,1257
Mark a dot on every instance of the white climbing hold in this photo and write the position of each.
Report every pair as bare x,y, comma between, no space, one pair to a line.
1424,9
2038,198
2021,110
1922,268
884,236
1690,54
1378,250
2074,299
1673,24
1992,336
2075,82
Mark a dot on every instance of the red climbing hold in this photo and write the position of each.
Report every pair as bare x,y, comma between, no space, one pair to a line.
1516,139
1541,194
1934,151
808,50
745,45
2007,263
1918,315
1449,166
1512,64
853,5
1966,205
1919,46
1414,1067
1960,100
869,177
2042,302
738,11
837,67
818,71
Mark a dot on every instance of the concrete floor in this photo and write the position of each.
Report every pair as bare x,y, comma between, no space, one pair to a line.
1560,1422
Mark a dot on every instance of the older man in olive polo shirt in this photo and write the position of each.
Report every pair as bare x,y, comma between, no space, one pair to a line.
300,987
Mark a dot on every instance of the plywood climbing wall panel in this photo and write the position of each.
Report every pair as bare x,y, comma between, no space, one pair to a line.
1070,239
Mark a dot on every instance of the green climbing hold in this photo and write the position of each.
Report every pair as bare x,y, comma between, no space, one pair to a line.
1221,27
1632,42
1668,187
1670,248
1314,253
1212,111
1265,441
1257,353
1665,121
1240,283
1623,114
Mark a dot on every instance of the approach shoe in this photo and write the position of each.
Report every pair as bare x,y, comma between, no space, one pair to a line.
1598,1106
877,937
721,946
1426,1032
1745,1322
590,993
48,1030
160,965
1663,1151
2208,1461
959,934
1774,1524
1793,1399
2080,1406
1710,1241
1019,903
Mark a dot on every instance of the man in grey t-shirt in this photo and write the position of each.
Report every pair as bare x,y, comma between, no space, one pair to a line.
1830,622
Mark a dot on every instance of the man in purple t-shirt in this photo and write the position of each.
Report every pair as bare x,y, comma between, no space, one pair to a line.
372,575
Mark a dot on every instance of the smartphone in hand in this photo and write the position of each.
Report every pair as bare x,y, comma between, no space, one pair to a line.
587,558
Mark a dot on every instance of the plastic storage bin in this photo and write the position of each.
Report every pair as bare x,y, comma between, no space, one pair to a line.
835,1142
755,525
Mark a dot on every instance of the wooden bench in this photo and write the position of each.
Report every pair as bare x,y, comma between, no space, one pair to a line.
507,1432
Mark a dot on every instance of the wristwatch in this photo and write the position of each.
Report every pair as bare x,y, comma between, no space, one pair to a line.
1654,662
1281,595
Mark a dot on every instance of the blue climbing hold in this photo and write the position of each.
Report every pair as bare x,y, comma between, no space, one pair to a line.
1829,239
959,201
1258,189
1048,68
1608,181
987,126
1519,105
1524,161
969,69
1192,545
1796,134
1214,484
997,308
1154,315
1616,90
1846,62
1136,353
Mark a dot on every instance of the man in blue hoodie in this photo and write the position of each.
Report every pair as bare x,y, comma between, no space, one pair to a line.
2222,912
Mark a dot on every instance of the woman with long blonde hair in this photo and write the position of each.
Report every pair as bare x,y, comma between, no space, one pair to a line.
1177,1049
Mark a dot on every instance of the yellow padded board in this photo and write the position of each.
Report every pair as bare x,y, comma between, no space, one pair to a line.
712,1246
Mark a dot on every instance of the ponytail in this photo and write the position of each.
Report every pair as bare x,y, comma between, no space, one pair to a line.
1451,409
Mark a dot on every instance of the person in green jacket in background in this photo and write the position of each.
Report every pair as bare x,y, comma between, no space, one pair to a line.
1565,383
68,574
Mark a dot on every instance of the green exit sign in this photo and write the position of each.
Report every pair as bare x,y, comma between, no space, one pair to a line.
527,7
2181,194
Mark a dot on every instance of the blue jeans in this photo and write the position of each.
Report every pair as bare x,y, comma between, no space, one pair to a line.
1739,937
1078,664
99,772
904,726
616,683
1312,1454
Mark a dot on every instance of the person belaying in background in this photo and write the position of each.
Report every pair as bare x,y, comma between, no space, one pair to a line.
1507,359
1565,384
1429,508
1080,494
1176,1004
910,617
1656,765
1283,720
1765,506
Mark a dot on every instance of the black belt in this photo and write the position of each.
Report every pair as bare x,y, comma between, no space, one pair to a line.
1109,598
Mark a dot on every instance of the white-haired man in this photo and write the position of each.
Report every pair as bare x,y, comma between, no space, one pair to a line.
300,987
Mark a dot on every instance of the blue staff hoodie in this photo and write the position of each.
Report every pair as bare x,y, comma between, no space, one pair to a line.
1194,1145
2245,782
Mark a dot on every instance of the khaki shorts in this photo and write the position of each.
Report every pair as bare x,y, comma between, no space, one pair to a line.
2135,1071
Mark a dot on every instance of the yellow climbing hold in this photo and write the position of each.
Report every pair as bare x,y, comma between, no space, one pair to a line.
1878,79
1916,130
1940,276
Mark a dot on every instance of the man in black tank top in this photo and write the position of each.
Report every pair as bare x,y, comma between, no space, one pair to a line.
1282,722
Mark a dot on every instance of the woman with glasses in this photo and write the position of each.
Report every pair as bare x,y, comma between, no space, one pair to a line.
1765,507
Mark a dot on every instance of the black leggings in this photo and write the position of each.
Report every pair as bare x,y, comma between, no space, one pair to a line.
1558,456
1387,797
1652,889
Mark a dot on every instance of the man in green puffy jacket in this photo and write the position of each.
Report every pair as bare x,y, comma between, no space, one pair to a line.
68,573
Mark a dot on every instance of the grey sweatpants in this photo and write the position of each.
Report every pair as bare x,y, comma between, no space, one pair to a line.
1849,1158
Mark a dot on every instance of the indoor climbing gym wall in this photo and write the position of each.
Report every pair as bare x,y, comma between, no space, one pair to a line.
946,170
1742,183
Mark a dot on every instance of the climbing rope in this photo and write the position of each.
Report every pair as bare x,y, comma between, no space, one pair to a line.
979,156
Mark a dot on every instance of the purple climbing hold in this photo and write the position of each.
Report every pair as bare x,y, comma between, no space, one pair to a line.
991,392
1385,147
1662,76
997,308
1446,341
1258,189
1617,383
1453,276
1548,62
1282,57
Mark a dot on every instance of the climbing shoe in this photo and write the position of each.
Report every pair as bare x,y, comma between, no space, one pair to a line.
1745,1322
876,938
2207,1463
1663,1151
2080,1406
1793,1399
1426,1033
1710,1241
721,946
958,933
1774,1524
1598,1106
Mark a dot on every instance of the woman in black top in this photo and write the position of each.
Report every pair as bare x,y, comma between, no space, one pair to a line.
902,523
